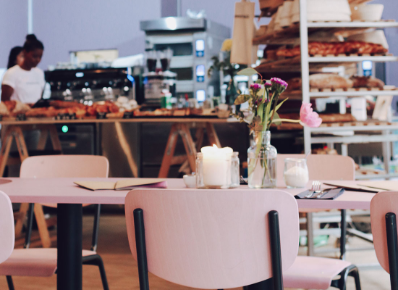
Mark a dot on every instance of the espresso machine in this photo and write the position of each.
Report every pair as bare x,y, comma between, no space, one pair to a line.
92,85
193,42
158,79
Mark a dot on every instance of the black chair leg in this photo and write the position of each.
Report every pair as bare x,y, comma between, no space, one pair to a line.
355,274
351,271
10,283
97,261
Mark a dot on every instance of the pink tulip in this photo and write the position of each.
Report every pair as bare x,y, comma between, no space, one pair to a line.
308,117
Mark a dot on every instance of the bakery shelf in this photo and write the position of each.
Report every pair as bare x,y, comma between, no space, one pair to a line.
301,33
356,139
355,126
375,176
319,62
328,93
352,58
352,93
353,24
290,34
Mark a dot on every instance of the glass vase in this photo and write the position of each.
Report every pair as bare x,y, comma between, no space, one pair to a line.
261,159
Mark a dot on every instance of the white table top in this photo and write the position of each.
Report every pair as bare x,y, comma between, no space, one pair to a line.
63,190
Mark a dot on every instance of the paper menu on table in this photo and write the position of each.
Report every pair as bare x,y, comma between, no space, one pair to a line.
381,185
124,184
351,186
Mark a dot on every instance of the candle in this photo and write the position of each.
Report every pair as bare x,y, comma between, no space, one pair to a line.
216,166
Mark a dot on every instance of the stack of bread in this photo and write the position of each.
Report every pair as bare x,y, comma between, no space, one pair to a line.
335,81
334,48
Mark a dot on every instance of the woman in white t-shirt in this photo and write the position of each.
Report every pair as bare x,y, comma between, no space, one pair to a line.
25,82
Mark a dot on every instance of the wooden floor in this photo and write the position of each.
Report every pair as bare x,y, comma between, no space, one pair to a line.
121,269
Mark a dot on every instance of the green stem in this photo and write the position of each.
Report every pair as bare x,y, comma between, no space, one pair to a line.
286,120
273,111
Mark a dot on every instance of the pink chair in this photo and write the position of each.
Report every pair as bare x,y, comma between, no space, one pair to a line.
43,262
383,212
338,167
324,167
221,239
212,239
7,237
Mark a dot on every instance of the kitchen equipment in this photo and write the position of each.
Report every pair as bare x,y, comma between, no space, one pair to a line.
193,43
155,84
92,85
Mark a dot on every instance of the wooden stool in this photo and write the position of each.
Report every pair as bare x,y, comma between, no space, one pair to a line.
188,161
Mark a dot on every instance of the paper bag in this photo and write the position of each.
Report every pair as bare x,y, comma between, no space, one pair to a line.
382,108
243,51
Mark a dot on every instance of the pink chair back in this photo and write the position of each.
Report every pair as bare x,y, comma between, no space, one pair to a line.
322,167
7,235
212,239
381,204
65,166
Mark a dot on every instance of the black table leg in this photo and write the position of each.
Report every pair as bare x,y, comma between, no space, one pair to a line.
343,227
69,241
263,285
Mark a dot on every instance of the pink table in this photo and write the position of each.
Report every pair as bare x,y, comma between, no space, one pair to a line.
62,190
70,198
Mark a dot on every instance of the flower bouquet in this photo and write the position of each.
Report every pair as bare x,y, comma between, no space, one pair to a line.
261,113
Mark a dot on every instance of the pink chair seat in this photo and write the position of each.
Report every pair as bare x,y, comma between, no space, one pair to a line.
33,262
313,272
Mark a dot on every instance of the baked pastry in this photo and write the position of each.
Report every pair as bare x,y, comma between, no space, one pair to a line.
42,112
334,48
117,115
64,104
329,81
337,118
10,105
20,108
367,82
294,84
3,110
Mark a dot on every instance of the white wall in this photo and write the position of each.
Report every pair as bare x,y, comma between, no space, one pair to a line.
390,12
91,24
65,26
13,27
221,11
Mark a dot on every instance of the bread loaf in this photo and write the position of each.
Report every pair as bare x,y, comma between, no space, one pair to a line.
294,84
335,48
329,81
367,82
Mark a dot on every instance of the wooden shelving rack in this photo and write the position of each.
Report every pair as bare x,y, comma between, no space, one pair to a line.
315,63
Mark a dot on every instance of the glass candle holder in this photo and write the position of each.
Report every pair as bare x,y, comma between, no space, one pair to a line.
213,168
199,171
295,173
235,170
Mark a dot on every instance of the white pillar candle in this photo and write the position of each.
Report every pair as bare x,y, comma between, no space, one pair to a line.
216,166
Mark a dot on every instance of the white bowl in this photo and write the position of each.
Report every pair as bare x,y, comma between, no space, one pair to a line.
322,10
190,180
367,12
